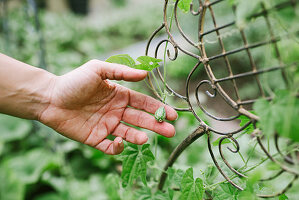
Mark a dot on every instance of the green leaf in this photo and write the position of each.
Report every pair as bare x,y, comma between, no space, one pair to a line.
184,5
11,188
216,142
282,197
58,183
226,191
49,196
229,189
252,187
123,59
286,106
29,167
210,174
112,186
244,120
147,63
1,147
77,189
287,17
191,189
135,159
174,177
245,9
280,115
263,109
146,193
12,128
170,193
289,51
272,166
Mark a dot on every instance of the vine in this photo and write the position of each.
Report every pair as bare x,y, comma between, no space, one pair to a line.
258,122
273,115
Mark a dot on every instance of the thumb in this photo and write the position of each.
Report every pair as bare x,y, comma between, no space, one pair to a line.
115,71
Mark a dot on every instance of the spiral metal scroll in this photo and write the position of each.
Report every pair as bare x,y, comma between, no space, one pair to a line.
204,8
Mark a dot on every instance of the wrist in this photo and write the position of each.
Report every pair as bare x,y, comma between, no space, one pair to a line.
25,92
39,90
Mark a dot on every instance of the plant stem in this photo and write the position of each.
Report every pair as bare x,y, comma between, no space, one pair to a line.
164,62
248,170
250,154
240,154
162,93
157,82
156,145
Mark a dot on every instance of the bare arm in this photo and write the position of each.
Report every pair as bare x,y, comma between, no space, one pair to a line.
24,89
83,104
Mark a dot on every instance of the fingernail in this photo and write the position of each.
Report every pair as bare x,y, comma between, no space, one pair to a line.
176,117
146,139
118,140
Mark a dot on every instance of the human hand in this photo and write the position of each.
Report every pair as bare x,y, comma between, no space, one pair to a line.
86,107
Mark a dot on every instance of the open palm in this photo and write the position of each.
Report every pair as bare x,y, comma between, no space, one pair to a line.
86,107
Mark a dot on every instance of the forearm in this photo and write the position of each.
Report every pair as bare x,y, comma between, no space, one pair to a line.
24,89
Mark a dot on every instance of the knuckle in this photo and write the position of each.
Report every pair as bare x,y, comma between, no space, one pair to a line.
140,119
117,74
126,132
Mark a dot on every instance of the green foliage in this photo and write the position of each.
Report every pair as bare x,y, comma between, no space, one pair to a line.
146,62
112,181
12,128
37,163
226,191
184,5
191,189
216,142
174,177
123,59
135,159
74,188
280,115
245,10
11,188
29,172
147,194
244,120
210,174
252,187
282,197
71,40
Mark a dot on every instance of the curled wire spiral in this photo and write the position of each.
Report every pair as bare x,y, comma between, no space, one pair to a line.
215,84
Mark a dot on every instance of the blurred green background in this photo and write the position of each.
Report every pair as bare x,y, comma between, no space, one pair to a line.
36,162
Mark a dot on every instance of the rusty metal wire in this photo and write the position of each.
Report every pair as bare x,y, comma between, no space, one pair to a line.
206,14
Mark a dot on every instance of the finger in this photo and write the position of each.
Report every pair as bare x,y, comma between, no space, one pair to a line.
115,71
98,133
149,104
111,147
130,134
147,121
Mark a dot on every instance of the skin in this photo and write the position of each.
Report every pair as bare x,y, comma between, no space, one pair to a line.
83,105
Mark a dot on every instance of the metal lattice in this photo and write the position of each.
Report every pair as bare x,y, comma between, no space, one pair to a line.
206,14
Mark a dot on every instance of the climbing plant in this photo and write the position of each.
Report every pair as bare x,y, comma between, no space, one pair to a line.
248,52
